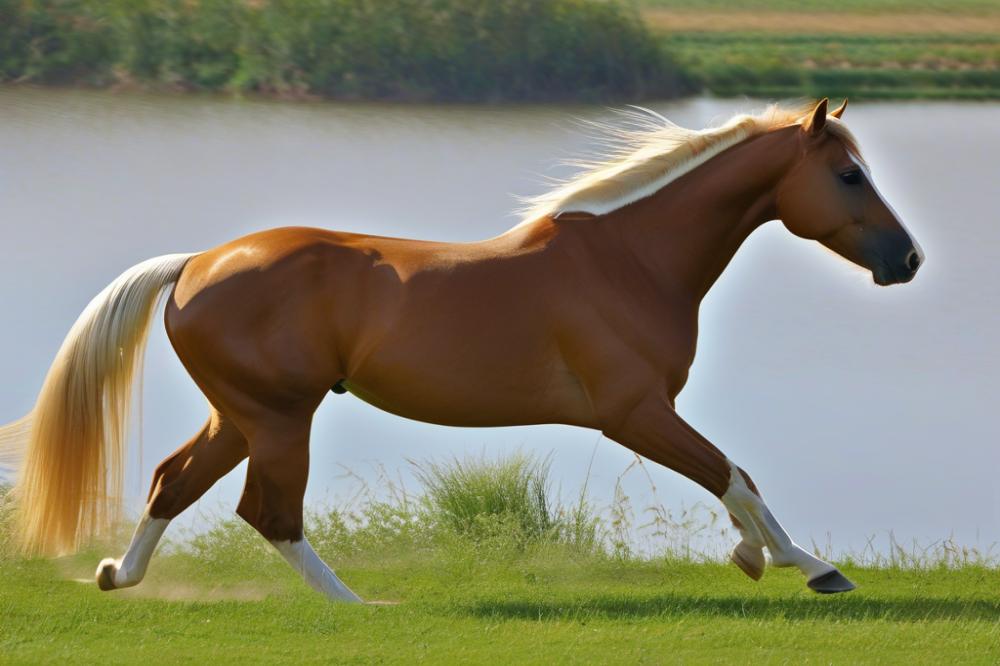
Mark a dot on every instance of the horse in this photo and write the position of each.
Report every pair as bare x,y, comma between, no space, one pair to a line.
585,313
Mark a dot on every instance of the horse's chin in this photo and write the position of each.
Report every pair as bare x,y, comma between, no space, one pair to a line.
881,278
884,278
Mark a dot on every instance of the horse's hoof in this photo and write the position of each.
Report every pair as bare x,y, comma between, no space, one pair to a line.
830,583
750,559
106,575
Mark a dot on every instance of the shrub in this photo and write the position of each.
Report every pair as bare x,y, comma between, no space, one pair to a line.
69,41
388,49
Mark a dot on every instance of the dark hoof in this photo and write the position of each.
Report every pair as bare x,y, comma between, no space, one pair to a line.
106,577
831,583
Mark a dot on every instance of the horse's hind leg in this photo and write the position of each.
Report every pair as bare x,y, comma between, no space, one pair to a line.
273,496
179,480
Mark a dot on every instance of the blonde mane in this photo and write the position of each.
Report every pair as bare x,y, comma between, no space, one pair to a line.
648,152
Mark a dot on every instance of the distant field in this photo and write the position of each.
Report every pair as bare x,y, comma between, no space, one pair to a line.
833,6
896,23
879,49
530,609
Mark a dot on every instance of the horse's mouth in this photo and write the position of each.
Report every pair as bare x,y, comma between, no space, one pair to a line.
883,276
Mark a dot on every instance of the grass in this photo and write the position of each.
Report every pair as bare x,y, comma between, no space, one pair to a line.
827,7
521,591
857,66
479,499
531,609
886,49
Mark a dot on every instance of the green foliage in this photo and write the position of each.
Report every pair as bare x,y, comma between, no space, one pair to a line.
392,529
503,501
55,42
7,545
479,50
474,496
858,66
385,49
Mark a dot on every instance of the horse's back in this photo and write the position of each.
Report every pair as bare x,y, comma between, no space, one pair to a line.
413,327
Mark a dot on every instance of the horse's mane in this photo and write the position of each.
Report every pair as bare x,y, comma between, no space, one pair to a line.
647,151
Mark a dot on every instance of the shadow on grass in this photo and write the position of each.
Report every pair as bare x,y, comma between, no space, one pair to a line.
844,607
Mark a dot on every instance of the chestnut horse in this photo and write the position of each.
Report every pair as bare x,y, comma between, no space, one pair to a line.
586,314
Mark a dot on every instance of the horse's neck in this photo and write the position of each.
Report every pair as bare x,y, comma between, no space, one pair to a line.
687,233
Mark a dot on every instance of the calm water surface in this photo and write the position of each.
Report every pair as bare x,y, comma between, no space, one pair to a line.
858,410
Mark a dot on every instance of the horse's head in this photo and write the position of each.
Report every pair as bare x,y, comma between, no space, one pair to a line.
829,196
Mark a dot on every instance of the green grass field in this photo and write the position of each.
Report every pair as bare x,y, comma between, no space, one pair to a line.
484,566
826,6
530,609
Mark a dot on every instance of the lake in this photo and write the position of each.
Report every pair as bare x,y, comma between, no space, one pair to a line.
859,410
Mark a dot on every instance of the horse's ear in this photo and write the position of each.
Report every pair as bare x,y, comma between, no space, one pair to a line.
839,111
816,121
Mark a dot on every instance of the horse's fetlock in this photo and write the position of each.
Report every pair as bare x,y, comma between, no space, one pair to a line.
279,527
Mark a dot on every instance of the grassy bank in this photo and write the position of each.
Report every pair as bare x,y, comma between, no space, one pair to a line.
825,6
882,49
485,563
857,66
445,50
525,50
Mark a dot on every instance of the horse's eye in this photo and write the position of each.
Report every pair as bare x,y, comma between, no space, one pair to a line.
852,177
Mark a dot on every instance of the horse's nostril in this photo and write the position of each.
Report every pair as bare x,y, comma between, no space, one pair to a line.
913,260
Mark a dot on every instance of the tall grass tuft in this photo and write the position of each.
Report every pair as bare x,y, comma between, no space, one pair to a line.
483,499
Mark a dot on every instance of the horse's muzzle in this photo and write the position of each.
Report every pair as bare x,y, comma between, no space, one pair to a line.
899,272
898,265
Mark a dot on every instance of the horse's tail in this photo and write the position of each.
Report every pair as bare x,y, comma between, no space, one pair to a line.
71,447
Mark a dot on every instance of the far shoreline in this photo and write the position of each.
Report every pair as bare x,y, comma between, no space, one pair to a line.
167,92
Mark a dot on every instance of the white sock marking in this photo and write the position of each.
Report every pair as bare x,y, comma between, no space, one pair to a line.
762,528
131,567
316,573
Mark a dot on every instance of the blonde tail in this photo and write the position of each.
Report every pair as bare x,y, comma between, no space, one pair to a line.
71,447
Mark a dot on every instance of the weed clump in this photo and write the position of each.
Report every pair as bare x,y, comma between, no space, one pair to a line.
478,497
488,507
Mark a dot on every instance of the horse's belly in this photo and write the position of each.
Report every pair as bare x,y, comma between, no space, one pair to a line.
474,396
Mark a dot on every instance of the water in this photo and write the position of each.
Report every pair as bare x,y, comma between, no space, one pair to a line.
858,410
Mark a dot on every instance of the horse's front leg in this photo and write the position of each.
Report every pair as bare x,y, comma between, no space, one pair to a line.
654,430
